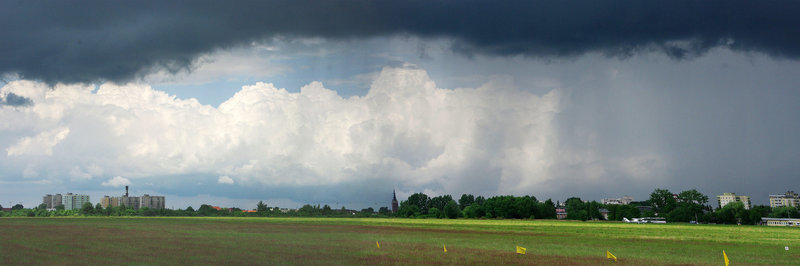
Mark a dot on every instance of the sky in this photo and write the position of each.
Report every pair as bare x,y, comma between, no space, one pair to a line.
340,102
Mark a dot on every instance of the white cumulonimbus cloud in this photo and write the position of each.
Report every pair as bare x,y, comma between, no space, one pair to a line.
117,181
41,144
404,129
225,180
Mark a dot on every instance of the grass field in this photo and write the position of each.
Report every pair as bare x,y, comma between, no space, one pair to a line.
402,241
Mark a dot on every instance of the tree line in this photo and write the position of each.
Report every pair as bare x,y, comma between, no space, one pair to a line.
419,205
686,206
692,205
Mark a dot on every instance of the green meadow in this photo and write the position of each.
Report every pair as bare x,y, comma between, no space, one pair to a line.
196,240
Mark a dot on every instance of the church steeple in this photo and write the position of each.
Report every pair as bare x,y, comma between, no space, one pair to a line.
394,201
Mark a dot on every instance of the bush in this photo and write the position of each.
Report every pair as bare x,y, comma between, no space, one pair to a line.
434,213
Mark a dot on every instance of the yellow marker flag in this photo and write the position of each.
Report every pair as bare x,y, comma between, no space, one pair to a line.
376,243
520,250
445,248
726,257
610,256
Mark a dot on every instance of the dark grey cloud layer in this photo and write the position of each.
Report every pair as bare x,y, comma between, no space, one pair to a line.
15,100
65,41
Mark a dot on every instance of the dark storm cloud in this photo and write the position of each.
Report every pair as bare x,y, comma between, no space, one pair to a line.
15,100
66,41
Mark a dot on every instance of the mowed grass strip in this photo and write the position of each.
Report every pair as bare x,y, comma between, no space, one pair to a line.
195,240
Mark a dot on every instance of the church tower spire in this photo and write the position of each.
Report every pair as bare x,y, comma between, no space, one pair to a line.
394,201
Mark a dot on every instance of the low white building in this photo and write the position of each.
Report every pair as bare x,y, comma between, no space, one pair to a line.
618,201
780,221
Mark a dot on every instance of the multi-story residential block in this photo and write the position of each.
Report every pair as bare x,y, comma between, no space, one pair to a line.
105,201
145,201
790,199
152,202
130,202
726,198
52,200
73,201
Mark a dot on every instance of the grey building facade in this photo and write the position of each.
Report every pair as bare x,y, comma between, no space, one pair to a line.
51,201
73,201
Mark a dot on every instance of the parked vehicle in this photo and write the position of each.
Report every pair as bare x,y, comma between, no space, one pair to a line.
646,220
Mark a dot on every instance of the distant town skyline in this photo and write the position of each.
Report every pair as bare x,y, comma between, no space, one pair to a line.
234,103
246,205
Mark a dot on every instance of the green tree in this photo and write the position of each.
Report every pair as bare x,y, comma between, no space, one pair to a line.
17,207
628,211
469,212
683,213
478,207
384,211
498,207
204,210
592,210
420,200
785,212
733,213
663,201
692,196
122,210
525,207
479,200
261,208
547,210
689,207
407,209
761,210
277,211
439,201
510,207
474,211
617,212
451,210
307,210
87,208
59,207
148,212
434,213
42,212
466,200
576,209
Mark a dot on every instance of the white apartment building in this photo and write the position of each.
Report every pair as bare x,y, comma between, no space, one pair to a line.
790,199
619,201
726,198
